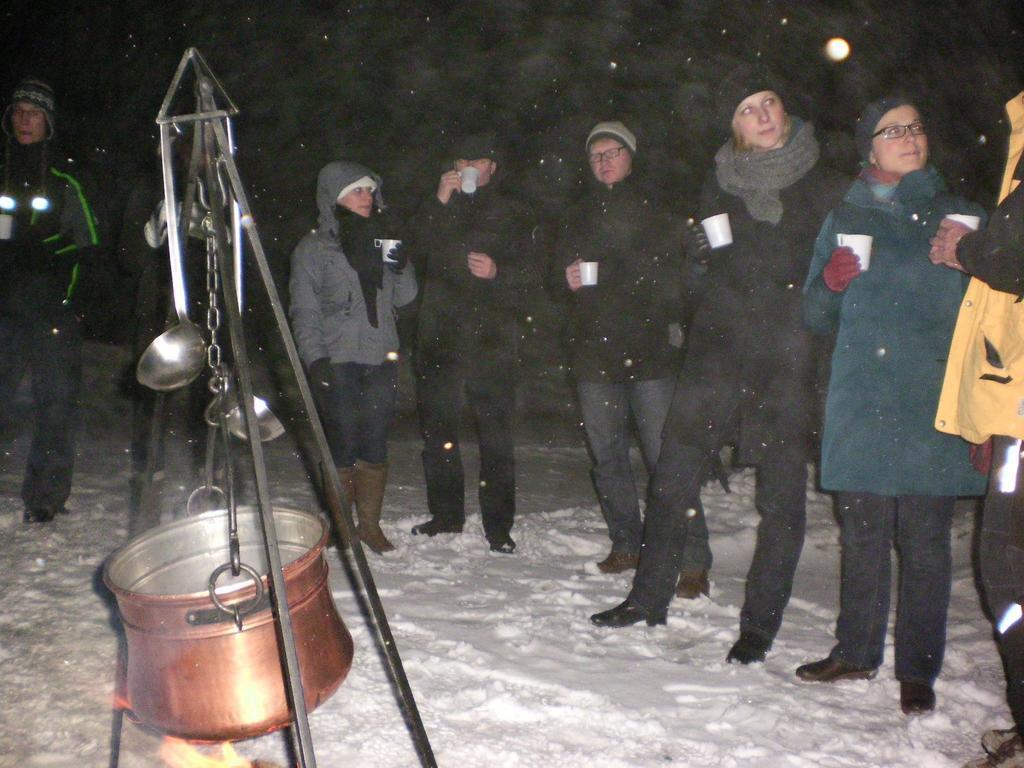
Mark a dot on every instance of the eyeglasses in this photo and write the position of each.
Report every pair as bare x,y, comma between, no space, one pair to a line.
916,128
23,112
608,154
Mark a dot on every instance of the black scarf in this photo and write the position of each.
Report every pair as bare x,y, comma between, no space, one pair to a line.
356,235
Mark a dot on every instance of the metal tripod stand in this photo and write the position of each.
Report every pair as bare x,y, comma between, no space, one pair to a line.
213,156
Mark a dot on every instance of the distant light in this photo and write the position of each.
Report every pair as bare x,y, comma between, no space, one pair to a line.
837,49
613,65
40,203
6,203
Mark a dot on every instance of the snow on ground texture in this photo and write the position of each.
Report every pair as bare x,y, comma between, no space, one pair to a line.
506,668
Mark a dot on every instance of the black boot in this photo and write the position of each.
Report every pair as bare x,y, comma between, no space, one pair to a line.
916,698
503,544
40,514
625,615
828,670
434,526
749,649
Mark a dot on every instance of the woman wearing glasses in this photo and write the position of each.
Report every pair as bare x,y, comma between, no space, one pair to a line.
894,476
750,371
623,355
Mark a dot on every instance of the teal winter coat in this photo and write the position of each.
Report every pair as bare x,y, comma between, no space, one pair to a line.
894,323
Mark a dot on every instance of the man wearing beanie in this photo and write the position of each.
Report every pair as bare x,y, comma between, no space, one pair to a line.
624,331
47,229
477,261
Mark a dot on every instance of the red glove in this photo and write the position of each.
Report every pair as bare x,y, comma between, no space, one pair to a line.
841,269
981,456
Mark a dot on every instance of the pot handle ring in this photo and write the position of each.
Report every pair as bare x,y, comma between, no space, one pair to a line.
238,610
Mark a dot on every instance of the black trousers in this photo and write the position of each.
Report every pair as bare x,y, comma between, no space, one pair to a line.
674,505
53,357
441,397
1001,561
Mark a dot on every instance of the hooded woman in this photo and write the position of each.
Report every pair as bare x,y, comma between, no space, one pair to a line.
344,291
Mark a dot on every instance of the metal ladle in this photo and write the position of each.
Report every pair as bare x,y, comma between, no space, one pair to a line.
176,356
225,404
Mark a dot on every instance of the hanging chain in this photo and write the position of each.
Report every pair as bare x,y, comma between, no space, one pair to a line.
213,352
219,382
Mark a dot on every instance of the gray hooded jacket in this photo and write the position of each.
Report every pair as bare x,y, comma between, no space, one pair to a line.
327,310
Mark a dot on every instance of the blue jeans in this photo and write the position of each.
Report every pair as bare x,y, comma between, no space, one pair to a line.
357,409
675,531
920,526
606,407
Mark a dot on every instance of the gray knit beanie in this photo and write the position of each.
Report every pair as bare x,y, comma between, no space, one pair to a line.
612,129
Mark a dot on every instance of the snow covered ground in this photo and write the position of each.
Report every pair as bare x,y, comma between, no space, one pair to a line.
506,668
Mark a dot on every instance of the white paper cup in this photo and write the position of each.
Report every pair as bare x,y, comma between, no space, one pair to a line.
588,272
6,226
860,245
718,230
971,222
469,176
387,247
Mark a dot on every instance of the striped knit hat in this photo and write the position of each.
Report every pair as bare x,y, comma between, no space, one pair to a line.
37,93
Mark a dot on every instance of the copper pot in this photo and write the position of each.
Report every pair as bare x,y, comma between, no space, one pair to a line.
191,672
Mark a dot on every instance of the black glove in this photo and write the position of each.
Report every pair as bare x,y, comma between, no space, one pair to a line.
397,258
715,470
320,373
695,243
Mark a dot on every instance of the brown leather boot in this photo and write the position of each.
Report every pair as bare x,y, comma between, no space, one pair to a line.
370,480
693,582
617,562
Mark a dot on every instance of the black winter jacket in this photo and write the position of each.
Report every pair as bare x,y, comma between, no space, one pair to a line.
995,254
467,325
42,264
618,330
752,375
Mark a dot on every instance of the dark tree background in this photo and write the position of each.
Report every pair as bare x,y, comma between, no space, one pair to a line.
388,83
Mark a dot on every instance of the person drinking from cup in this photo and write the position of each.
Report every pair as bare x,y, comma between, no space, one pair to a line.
344,292
895,478
618,258
750,371
477,261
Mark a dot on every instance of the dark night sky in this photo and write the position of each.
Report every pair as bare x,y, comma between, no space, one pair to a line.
381,83
385,83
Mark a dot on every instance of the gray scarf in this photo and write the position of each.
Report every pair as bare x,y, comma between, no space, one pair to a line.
757,177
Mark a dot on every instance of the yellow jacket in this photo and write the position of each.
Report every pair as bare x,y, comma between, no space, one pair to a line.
983,389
